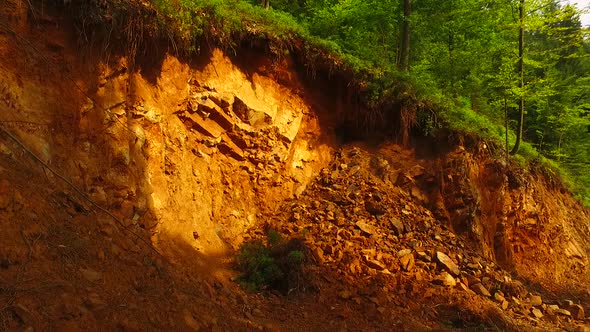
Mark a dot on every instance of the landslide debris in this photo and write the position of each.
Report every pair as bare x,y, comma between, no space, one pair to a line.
374,243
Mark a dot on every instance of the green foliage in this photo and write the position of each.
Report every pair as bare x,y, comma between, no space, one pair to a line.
276,264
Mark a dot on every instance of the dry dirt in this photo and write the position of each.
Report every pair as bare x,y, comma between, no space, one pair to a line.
125,191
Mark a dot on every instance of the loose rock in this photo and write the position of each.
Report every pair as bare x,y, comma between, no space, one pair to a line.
563,312
407,262
481,290
397,226
535,300
365,227
445,279
537,313
91,275
447,263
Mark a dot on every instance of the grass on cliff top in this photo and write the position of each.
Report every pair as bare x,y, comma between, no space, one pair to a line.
227,22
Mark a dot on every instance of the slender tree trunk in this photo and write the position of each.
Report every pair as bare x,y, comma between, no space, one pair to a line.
265,3
521,78
506,121
404,63
559,147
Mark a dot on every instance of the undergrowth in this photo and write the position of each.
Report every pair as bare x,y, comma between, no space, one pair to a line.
276,263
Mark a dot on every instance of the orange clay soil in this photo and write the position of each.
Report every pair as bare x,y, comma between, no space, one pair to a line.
125,191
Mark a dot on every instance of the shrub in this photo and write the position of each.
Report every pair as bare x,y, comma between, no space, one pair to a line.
276,264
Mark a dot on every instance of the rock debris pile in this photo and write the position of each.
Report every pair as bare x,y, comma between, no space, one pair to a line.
364,220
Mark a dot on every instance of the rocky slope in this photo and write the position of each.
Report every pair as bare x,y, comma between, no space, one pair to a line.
127,185
373,224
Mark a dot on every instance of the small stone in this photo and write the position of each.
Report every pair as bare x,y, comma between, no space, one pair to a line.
537,313
404,252
91,275
375,264
499,298
345,294
423,256
445,279
474,266
318,253
513,288
330,216
407,262
465,288
562,312
397,226
448,263
504,305
535,300
365,227
481,290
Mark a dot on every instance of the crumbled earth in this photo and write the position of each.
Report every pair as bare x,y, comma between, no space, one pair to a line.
388,254
126,191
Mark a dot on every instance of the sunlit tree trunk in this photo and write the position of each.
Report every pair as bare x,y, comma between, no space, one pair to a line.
521,78
265,3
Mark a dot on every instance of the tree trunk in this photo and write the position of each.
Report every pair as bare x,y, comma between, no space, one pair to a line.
265,3
404,63
506,122
559,147
521,79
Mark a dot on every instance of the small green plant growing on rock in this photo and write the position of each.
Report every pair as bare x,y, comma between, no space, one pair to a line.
276,263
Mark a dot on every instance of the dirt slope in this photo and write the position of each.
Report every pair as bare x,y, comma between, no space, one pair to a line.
124,191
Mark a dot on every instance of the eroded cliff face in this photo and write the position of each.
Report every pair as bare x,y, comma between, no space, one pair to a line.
211,148
193,151
523,221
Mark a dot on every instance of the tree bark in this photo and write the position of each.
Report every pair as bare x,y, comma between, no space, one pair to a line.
265,3
404,63
506,121
521,79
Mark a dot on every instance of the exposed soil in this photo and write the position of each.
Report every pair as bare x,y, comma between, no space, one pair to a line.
125,192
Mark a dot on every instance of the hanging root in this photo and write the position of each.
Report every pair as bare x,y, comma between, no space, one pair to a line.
408,119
